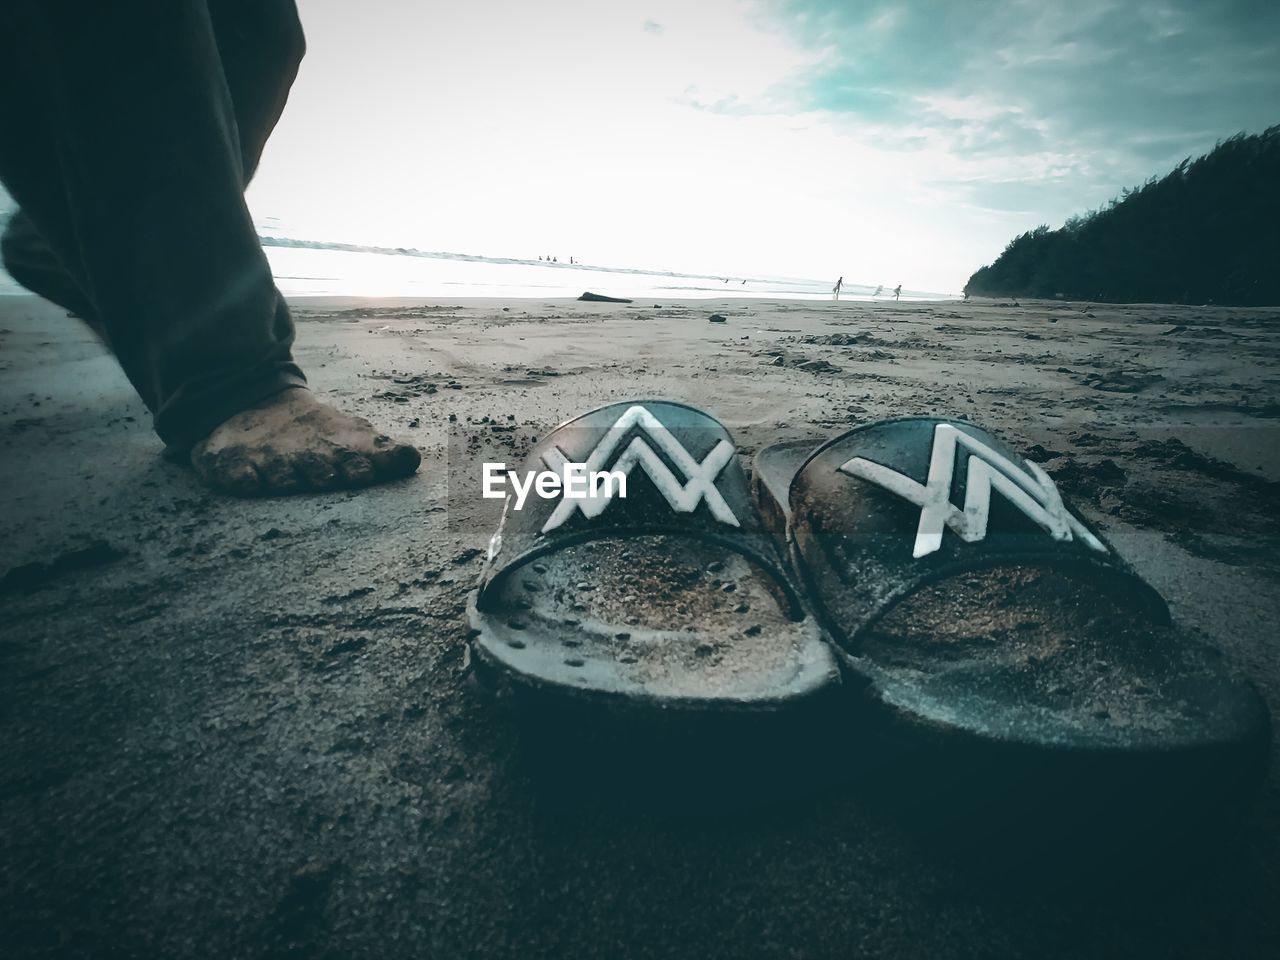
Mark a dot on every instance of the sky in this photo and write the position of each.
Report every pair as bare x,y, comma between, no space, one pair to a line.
886,142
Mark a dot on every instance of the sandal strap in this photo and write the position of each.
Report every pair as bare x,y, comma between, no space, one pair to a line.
681,474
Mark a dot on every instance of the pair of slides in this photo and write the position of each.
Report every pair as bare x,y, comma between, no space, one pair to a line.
919,565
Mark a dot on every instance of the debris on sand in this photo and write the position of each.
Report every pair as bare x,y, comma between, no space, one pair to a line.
778,357
601,298
1081,473
871,355
717,318
33,576
839,339
1122,381
408,387
1174,453
1039,453
819,366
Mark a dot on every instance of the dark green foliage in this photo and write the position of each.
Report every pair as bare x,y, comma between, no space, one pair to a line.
1208,232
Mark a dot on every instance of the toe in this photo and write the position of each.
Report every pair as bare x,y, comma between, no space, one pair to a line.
280,476
234,475
318,472
356,470
203,459
392,460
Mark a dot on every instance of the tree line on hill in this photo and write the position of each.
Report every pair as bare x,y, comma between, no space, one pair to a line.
1208,232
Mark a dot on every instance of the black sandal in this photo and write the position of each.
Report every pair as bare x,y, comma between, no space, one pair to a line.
671,597
968,603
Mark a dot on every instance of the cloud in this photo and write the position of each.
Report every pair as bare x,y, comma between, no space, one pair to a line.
1114,89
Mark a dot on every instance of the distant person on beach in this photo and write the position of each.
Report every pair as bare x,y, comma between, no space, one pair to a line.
836,289
130,133
897,291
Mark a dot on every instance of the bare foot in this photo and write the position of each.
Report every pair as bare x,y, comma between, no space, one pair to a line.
293,443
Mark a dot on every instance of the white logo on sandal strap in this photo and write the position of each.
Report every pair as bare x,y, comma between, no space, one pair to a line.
1030,490
684,497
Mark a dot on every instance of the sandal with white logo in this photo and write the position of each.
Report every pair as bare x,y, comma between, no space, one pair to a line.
968,603
661,590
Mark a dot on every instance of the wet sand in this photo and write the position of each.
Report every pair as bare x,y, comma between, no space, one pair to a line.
243,728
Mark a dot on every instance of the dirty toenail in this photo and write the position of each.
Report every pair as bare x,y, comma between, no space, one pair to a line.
279,474
318,471
356,469
238,476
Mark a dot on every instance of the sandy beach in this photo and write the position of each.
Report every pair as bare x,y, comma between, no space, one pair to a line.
230,724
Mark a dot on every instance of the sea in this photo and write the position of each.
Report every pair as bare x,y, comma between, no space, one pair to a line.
342,270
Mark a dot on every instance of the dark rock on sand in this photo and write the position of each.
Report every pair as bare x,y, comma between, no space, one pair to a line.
1079,475
839,339
869,355
717,318
1122,381
1039,453
819,366
33,576
601,298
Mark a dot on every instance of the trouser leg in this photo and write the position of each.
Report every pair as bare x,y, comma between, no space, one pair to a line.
124,147
28,257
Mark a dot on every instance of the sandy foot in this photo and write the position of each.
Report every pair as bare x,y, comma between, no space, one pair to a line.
293,443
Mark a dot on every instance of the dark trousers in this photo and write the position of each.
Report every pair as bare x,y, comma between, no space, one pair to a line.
128,132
